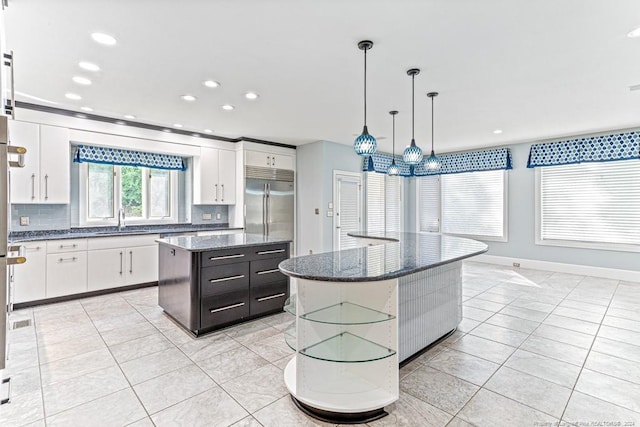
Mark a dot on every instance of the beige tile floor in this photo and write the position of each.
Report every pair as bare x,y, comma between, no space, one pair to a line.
534,348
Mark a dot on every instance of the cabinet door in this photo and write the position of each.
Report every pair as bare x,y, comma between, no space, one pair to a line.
29,279
66,273
25,187
257,158
142,265
54,165
282,161
227,177
208,177
105,268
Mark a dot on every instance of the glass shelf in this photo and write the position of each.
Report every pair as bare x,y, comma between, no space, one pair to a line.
347,348
290,336
290,304
347,313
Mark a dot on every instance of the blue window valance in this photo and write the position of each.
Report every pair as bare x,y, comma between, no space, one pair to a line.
117,156
472,161
604,148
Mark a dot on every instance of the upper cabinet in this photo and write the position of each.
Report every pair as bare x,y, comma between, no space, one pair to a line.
45,177
214,177
268,160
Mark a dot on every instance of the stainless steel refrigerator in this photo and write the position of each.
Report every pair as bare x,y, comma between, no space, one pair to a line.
269,202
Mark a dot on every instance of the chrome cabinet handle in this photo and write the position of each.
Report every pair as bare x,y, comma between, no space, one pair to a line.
214,258
46,187
273,161
216,192
73,259
121,263
222,198
229,307
275,251
33,186
271,297
226,279
268,160
68,246
130,262
275,270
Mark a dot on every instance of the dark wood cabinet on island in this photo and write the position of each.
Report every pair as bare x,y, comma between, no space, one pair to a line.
210,282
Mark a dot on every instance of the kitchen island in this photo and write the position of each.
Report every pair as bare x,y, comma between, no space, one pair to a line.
209,282
360,312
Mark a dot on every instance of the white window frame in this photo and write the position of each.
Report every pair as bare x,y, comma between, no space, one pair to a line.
505,213
85,221
569,243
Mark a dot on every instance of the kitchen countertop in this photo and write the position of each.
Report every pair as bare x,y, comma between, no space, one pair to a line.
89,232
205,243
399,254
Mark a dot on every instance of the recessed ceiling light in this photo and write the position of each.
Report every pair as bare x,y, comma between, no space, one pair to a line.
634,33
120,122
210,83
208,130
73,96
188,97
497,131
177,125
102,38
81,116
251,95
129,116
89,66
81,80
86,108
228,107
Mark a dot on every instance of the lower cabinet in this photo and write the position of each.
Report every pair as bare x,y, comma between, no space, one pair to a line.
29,280
66,273
111,268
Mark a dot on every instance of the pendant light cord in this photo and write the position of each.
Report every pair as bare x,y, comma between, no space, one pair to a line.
432,123
365,87
413,106
393,157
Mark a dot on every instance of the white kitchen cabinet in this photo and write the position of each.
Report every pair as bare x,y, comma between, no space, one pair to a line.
29,279
214,177
268,160
105,269
66,273
46,175
142,265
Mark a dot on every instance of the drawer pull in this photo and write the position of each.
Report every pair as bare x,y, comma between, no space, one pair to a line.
68,246
275,270
214,258
73,259
229,307
226,279
271,297
275,251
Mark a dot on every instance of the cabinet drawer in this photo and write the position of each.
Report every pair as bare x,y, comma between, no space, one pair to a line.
267,298
266,271
268,251
226,256
225,308
66,245
224,278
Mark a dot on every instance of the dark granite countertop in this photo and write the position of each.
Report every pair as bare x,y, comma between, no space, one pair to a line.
399,254
133,230
206,243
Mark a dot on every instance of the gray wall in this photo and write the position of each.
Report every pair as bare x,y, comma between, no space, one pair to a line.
309,195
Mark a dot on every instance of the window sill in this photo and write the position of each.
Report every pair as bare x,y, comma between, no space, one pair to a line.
618,247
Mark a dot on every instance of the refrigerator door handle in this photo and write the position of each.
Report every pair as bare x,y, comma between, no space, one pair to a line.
264,210
268,211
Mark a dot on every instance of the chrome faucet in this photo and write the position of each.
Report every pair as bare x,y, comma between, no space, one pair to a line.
121,218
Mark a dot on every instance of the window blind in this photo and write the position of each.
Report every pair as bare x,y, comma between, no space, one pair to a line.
429,204
591,202
393,203
375,201
384,202
473,204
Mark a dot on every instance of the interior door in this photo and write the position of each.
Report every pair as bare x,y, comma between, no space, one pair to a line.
348,208
254,199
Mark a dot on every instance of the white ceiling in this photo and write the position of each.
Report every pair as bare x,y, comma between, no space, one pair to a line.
535,69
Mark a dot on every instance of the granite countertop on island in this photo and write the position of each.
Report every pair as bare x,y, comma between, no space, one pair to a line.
224,241
397,255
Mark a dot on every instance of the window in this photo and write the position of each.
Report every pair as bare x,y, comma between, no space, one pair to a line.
595,205
469,204
384,202
144,194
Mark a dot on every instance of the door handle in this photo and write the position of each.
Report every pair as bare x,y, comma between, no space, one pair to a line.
121,263
229,307
222,198
268,160
33,186
271,297
130,262
226,279
273,161
274,251
46,187
73,259
275,270
67,246
225,257
216,192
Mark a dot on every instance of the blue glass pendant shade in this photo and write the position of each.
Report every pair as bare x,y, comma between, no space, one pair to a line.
412,154
365,144
393,170
433,162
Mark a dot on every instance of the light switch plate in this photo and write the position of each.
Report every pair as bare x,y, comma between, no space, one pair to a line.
330,205
24,220
218,215
329,213
206,216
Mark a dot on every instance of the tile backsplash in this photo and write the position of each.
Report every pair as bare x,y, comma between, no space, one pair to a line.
213,210
41,217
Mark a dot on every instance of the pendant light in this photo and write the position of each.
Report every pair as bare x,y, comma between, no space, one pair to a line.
433,162
393,170
365,144
412,154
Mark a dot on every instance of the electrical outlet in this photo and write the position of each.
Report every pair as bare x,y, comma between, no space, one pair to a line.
317,211
329,213
218,215
24,220
206,216
516,264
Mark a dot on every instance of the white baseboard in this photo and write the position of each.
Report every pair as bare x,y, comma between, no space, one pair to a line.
585,270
